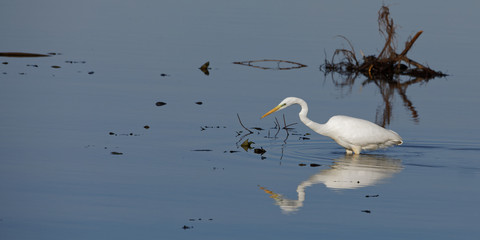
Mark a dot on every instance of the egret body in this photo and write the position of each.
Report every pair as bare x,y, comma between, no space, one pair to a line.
353,134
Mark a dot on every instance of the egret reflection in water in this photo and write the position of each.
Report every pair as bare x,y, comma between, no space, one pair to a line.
347,172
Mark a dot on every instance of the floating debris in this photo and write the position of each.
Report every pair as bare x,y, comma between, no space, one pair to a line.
231,151
247,145
56,66
311,165
22,54
199,103
205,127
185,227
204,68
368,196
366,211
146,127
91,72
164,75
202,150
260,151
116,153
158,104
72,62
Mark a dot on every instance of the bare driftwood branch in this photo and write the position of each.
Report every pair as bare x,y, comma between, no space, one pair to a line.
409,44
294,65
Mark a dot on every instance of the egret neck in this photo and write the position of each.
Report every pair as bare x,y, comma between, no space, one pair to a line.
317,127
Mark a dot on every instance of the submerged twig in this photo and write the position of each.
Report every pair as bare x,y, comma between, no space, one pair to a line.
286,129
278,125
242,124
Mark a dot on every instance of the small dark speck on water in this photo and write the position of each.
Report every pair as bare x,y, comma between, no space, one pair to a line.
55,66
91,72
111,133
5,63
185,227
146,127
315,165
116,153
368,196
158,104
366,211
199,103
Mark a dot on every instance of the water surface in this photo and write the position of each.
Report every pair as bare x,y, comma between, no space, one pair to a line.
186,175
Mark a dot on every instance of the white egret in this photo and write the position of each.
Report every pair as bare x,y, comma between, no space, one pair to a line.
353,134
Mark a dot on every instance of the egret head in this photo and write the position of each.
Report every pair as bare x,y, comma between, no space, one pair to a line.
283,104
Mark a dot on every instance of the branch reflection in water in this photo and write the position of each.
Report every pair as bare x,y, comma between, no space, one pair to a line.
347,172
388,86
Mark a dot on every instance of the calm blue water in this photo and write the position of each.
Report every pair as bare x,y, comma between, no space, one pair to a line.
186,175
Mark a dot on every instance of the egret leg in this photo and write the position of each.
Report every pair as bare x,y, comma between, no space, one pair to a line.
357,150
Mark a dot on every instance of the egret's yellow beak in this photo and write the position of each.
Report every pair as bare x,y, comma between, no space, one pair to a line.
272,111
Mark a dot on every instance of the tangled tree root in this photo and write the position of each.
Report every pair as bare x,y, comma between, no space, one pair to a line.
387,64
